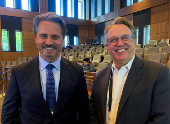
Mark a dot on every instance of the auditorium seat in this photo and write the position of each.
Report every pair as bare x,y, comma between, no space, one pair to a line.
156,57
138,45
24,59
166,49
155,42
81,56
72,50
107,59
96,59
162,44
149,51
149,45
101,65
139,52
19,59
66,50
165,40
20,62
14,63
30,58
3,63
8,63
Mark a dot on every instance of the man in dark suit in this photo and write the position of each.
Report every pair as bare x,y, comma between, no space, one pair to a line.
48,89
131,90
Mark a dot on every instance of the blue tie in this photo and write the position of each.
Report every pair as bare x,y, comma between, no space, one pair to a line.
50,87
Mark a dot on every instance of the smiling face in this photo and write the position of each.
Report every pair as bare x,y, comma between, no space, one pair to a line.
121,53
49,40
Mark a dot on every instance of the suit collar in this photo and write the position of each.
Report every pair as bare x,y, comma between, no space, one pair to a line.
131,81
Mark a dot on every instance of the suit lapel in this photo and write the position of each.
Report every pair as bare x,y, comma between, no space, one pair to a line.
132,79
63,84
35,83
104,88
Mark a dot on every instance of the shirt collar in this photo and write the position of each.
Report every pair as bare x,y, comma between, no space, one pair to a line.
128,65
44,63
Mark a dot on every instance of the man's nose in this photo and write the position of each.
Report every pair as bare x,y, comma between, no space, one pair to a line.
49,41
120,43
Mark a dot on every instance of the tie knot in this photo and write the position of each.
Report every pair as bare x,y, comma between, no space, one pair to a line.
49,66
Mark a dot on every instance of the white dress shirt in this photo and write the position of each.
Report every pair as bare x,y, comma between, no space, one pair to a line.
119,79
56,73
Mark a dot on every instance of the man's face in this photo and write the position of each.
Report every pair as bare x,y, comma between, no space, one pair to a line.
85,63
121,53
49,40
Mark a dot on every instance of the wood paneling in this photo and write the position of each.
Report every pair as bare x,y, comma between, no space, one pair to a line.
160,22
142,6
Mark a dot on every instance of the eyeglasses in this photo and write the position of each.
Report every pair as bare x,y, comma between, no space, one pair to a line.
124,39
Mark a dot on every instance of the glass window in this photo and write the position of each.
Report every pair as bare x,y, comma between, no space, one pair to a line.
5,40
76,40
129,2
137,35
70,8
18,36
92,8
81,9
59,7
25,4
107,6
146,34
99,7
10,3
102,39
66,40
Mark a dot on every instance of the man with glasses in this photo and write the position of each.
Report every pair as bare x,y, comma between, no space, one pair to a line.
131,90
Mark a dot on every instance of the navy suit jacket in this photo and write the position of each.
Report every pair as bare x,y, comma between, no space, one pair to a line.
24,102
145,98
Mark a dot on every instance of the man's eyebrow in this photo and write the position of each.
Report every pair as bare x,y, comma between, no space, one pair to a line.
118,37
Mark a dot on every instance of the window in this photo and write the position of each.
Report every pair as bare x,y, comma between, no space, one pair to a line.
107,6
140,0
10,3
5,40
66,40
81,9
70,8
92,8
129,2
18,36
99,7
25,4
59,7
102,39
76,40
146,34
137,35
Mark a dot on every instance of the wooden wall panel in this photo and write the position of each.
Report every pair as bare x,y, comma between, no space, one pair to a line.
159,22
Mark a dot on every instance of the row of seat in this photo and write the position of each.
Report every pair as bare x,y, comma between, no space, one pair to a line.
19,61
24,59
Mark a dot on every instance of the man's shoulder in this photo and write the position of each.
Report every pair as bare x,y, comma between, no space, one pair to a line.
150,65
24,65
71,64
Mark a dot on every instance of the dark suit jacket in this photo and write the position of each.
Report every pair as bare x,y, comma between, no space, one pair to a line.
145,98
24,102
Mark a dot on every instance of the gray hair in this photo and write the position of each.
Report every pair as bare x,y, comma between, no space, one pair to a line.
120,20
49,16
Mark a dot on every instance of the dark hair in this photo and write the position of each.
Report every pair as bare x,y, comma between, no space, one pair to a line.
86,59
120,20
49,16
